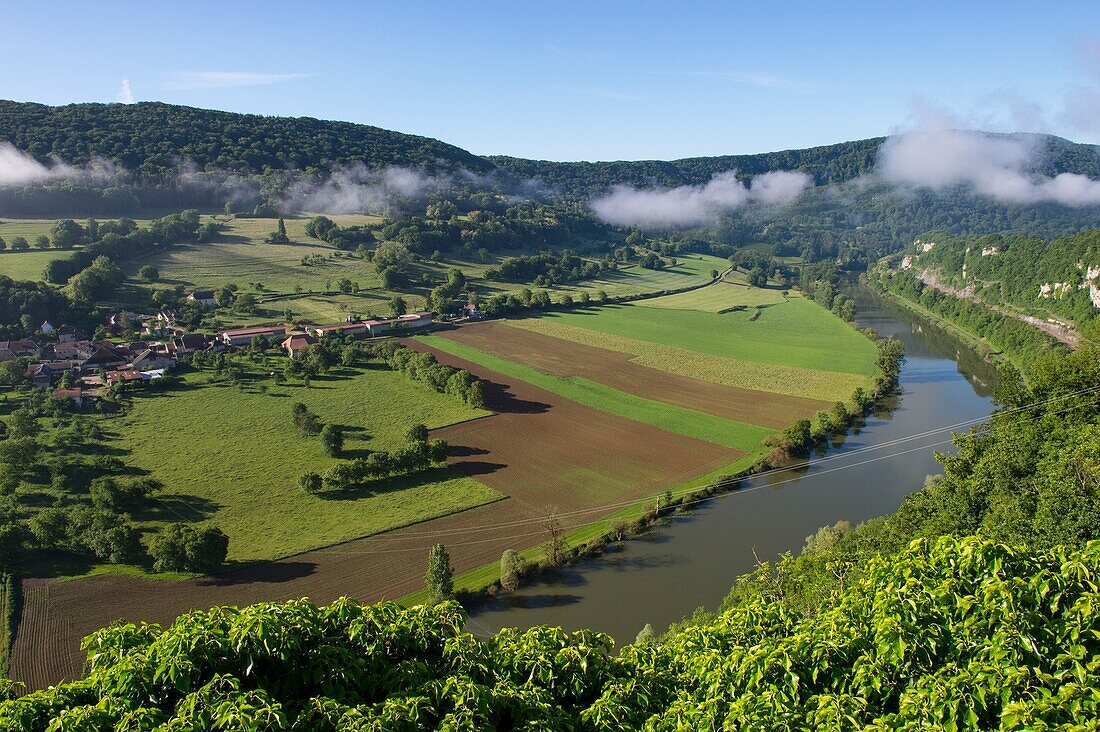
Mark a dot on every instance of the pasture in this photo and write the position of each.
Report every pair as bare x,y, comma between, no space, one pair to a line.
731,291
232,456
740,370
28,265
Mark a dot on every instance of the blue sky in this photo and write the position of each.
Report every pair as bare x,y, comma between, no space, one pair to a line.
576,80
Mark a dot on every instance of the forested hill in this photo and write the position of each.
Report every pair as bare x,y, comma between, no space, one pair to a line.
1057,278
153,138
836,163
827,164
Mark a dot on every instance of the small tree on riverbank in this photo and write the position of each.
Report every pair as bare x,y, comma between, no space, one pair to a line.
511,567
440,576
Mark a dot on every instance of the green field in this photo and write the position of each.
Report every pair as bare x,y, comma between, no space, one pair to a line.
687,422
732,291
795,333
28,265
233,455
275,273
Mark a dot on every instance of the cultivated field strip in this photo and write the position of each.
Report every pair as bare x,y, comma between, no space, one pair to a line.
542,450
565,358
793,381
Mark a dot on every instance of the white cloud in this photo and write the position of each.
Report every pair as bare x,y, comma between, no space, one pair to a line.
226,79
699,204
937,156
125,95
18,168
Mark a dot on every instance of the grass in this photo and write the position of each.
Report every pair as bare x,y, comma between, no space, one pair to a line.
745,374
720,296
241,256
678,420
793,333
28,265
231,455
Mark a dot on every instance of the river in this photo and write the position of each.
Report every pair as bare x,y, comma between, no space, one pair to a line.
692,559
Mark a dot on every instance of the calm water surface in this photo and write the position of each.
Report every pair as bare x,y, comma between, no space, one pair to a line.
692,560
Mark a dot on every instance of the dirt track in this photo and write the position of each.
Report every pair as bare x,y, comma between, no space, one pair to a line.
560,357
539,449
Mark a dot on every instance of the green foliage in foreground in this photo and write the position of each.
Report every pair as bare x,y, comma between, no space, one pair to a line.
958,633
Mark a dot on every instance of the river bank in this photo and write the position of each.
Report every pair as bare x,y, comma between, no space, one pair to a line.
691,559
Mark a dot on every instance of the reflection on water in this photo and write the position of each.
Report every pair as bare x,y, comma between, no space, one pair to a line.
692,559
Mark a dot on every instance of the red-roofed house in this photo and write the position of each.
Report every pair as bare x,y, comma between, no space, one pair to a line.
244,336
73,394
340,330
409,321
296,342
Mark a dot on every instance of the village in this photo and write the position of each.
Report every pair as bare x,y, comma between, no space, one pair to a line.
80,367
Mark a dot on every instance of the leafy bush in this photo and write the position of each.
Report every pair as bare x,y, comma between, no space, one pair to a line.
958,633
182,548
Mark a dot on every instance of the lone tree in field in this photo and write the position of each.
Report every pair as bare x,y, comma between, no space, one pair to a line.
279,235
554,548
417,433
398,305
149,273
307,422
332,439
310,482
440,576
511,567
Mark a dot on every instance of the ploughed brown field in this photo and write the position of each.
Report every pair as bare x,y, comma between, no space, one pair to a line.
560,357
539,449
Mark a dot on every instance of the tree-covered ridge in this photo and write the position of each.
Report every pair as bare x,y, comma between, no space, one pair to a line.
1059,277
153,139
952,634
837,163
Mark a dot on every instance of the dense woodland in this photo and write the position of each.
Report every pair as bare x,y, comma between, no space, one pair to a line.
153,155
151,138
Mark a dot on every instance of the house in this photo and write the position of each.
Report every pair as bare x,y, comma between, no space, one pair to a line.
117,322
296,342
105,357
187,344
148,359
407,322
74,394
69,350
123,376
11,350
202,297
153,374
340,330
167,317
471,312
46,372
45,328
70,333
244,336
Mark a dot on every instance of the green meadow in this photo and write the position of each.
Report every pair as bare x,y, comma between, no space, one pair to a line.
796,332
232,455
